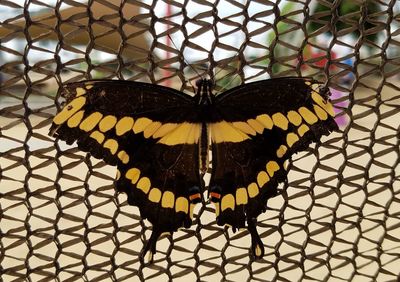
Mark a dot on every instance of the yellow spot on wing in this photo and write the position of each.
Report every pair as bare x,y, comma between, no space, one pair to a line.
320,112
164,129
80,91
168,199
281,151
123,125
327,106
75,119
123,156
224,131
291,138
185,133
69,110
144,184
318,99
329,109
107,123
191,210
241,196
133,174
155,195
272,167
111,144
98,136
315,87
285,164
216,209
253,190
118,176
280,121
258,251
182,205
228,202
141,124
294,118
262,178
89,86
151,129
256,125
244,126
91,121
308,116
265,120
302,130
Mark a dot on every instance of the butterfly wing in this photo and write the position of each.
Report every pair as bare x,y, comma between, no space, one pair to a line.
261,125
150,133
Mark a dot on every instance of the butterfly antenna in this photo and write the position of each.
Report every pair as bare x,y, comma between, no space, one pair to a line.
224,87
186,62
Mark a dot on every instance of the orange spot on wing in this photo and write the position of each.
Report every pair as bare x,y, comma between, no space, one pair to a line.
194,196
215,195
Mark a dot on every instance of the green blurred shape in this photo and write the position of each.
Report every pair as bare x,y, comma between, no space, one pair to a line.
352,12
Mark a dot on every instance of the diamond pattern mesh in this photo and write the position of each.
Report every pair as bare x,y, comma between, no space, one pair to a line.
338,215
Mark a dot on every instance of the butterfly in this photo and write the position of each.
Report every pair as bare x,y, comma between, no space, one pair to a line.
160,140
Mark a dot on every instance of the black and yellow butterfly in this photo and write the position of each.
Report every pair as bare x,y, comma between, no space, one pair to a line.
159,139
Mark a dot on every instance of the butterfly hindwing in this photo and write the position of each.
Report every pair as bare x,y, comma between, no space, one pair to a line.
265,123
146,131
163,181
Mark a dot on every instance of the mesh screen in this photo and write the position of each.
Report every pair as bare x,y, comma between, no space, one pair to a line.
337,217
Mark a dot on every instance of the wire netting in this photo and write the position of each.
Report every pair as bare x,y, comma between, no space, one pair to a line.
337,217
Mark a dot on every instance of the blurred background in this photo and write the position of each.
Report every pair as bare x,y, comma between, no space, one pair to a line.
337,218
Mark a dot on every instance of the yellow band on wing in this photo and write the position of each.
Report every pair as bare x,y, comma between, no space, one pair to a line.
184,133
224,131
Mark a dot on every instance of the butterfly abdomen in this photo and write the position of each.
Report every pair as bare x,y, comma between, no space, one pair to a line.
203,148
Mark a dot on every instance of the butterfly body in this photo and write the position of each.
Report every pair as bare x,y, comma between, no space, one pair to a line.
160,138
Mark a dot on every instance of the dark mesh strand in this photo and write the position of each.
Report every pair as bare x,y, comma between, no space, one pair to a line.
337,216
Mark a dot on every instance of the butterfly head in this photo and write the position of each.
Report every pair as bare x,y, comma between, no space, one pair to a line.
204,94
